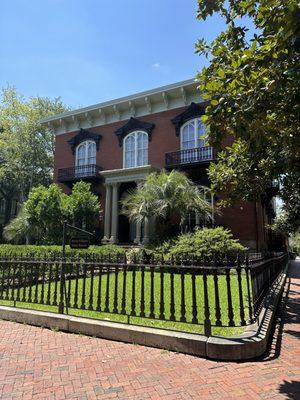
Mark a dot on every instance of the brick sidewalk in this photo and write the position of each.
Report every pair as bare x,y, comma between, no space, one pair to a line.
40,364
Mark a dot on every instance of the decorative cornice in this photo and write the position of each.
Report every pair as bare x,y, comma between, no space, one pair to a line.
166,100
83,135
138,105
148,104
193,111
127,174
134,125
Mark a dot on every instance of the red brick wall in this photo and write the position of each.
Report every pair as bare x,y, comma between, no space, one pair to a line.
244,220
110,154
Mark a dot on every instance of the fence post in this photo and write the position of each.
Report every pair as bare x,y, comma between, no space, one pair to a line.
61,292
249,290
207,322
240,289
62,271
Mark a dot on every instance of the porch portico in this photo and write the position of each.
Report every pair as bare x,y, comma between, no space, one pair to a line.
113,179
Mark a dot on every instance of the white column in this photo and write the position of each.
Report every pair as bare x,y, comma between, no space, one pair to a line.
146,231
107,216
115,213
138,226
137,239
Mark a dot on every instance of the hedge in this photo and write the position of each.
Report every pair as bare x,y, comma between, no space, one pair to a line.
9,250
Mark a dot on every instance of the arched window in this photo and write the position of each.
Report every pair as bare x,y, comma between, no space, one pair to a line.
135,149
193,141
85,157
192,134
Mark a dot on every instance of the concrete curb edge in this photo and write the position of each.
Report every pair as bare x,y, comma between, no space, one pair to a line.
253,342
250,344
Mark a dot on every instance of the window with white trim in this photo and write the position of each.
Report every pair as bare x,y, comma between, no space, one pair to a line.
193,134
135,149
193,141
85,157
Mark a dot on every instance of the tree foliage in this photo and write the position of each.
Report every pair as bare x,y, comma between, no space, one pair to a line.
252,87
47,208
26,147
295,243
83,205
41,218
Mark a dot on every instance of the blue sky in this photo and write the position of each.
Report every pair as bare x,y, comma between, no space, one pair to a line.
88,51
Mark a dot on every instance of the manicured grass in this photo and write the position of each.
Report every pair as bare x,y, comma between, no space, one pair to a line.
180,326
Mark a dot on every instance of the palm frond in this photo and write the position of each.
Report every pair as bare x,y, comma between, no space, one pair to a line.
164,194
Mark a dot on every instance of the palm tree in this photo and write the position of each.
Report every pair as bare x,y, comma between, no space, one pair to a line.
193,201
164,195
18,229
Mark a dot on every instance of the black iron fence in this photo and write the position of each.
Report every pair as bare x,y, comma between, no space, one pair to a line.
226,292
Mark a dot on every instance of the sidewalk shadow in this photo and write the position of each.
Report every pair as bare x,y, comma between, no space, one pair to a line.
294,271
275,338
287,312
291,314
282,316
290,389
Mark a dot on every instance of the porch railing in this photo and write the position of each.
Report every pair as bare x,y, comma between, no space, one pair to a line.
189,156
78,172
224,293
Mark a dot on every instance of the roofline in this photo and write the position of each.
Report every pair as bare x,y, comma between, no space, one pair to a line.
119,100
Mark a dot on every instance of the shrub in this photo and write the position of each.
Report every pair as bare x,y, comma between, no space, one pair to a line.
8,250
205,243
134,254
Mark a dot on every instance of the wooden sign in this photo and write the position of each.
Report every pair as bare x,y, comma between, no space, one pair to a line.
79,243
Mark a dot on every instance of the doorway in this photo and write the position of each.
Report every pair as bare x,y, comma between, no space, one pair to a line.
127,229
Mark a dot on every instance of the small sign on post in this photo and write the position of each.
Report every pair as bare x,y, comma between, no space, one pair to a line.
75,243
79,243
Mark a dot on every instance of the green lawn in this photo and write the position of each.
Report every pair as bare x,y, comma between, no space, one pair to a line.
187,326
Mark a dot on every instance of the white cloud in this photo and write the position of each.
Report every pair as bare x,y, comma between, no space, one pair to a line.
156,65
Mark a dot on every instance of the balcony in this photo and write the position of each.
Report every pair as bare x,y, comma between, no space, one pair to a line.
82,172
190,157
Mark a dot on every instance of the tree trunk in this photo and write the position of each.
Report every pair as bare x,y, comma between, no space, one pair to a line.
7,213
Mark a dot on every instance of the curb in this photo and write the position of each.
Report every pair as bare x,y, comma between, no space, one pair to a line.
253,342
145,336
250,344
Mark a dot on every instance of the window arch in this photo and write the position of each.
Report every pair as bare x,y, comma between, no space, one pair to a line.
192,134
193,142
135,149
86,153
85,159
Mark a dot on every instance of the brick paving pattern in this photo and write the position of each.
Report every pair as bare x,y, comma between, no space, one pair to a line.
38,363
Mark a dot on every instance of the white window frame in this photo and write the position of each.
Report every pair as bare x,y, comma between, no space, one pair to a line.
209,197
86,143
86,168
194,153
135,135
196,121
